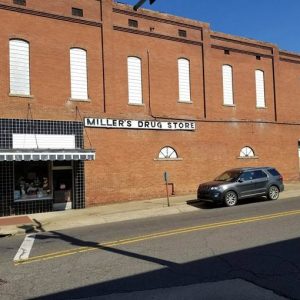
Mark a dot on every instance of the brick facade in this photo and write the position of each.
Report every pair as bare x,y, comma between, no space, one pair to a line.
126,165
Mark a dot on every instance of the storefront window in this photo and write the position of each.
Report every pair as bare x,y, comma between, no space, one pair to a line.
32,180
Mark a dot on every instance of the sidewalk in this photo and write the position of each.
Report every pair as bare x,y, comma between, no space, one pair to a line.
109,213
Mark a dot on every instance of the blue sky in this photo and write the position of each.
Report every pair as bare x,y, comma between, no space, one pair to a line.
274,21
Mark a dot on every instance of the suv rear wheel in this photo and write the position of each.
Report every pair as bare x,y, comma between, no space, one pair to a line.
230,198
273,192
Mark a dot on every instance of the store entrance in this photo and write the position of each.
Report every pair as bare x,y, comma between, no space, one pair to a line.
62,185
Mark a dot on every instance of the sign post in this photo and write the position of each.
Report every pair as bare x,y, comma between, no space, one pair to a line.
166,179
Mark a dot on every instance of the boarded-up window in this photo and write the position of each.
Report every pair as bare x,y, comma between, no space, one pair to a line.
134,80
19,67
260,88
78,63
184,80
227,85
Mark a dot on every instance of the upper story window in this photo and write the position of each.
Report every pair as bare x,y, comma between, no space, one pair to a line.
167,153
227,85
78,69
182,33
78,12
134,65
19,2
247,152
133,23
19,67
184,80
260,88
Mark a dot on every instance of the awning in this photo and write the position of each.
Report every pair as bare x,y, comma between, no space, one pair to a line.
46,154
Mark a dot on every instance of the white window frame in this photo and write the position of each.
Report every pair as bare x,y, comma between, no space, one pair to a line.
184,80
247,152
227,75
78,74
168,153
19,67
260,89
135,85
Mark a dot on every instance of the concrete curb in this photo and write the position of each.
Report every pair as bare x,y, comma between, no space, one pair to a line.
95,220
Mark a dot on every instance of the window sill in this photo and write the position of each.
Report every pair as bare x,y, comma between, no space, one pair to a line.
229,105
261,107
136,104
21,96
80,100
168,159
247,157
185,102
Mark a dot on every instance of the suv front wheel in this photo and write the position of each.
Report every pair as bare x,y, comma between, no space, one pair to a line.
230,198
273,192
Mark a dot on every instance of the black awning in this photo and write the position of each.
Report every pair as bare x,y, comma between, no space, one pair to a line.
46,154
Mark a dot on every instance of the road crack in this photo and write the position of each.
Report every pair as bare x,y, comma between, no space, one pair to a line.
2,281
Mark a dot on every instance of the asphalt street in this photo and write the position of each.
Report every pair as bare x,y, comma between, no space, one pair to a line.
247,252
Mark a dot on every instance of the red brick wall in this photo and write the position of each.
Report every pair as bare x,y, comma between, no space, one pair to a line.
50,42
244,94
288,104
91,8
126,165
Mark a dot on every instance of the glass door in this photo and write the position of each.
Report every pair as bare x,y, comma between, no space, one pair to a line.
62,185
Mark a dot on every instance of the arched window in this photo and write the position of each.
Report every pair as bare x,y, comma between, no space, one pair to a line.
247,152
184,80
260,88
78,64
227,85
167,153
135,95
19,67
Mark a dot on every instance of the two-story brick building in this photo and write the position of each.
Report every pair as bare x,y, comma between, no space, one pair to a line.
97,101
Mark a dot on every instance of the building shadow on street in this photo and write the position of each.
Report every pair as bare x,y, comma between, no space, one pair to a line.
274,267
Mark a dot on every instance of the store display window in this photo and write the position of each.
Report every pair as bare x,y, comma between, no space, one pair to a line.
32,180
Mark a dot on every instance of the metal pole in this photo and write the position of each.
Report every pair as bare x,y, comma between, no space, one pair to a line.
139,4
168,200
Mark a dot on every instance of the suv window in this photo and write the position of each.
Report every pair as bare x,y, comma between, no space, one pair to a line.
229,176
247,176
259,174
273,172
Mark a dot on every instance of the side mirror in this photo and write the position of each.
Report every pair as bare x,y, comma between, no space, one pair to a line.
240,180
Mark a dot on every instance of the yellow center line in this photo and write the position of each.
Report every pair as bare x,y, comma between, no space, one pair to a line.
156,235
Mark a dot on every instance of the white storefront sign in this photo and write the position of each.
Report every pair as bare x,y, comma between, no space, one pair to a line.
43,141
139,124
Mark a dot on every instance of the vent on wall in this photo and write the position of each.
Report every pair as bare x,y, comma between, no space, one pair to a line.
133,23
182,33
78,12
20,2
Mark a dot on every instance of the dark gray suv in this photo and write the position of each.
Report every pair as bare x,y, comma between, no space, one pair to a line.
242,183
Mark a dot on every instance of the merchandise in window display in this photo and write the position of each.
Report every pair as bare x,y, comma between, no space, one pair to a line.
31,188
